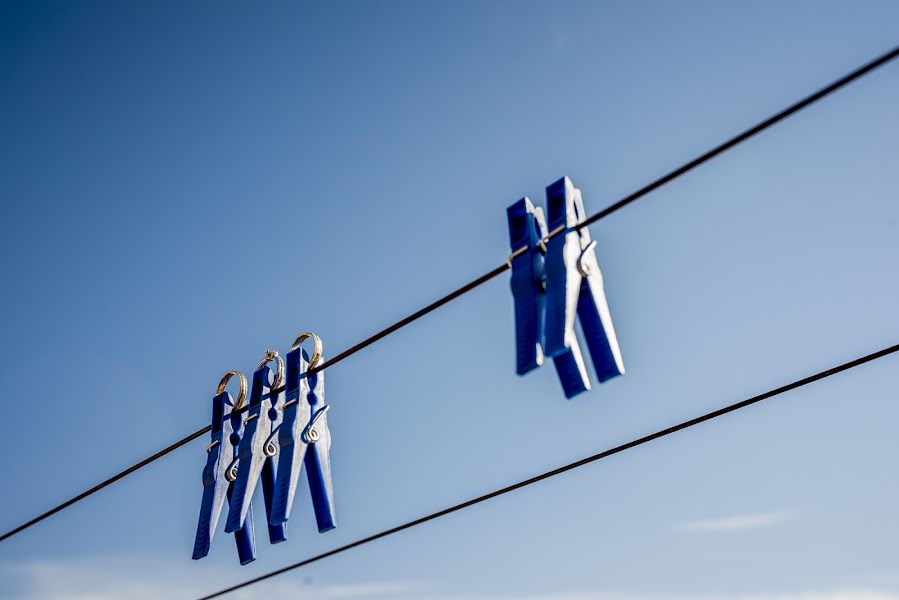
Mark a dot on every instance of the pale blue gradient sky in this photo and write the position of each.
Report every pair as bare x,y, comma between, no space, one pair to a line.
187,184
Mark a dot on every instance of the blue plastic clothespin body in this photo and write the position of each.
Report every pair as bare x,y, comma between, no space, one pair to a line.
225,433
574,289
305,439
527,228
258,455
296,416
527,232
318,457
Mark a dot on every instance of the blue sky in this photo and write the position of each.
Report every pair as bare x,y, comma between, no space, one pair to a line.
185,186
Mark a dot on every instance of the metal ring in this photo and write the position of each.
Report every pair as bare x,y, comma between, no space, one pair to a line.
316,349
241,395
271,355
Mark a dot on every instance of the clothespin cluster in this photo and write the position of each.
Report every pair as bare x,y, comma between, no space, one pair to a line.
284,428
556,281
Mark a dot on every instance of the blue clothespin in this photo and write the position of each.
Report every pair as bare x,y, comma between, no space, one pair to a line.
527,236
574,288
257,454
304,437
527,229
216,483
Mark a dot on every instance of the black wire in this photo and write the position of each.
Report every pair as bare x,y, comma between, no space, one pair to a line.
758,128
109,481
568,467
671,176
805,102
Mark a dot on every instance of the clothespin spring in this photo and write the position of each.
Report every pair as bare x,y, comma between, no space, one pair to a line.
270,448
231,471
582,267
310,434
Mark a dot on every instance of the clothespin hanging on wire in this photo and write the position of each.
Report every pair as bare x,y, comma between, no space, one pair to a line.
527,229
550,292
574,289
225,434
257,454
304,437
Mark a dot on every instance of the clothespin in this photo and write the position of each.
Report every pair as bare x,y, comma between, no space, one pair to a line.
527,228
304,437
574,289
257,454
225,434
528,239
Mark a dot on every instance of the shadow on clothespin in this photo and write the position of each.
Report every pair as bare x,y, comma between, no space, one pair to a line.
304,437
257,454
225,435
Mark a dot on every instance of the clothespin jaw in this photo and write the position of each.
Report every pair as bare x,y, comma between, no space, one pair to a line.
296,416
527,229
245,537
574,289
225,431
257,452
